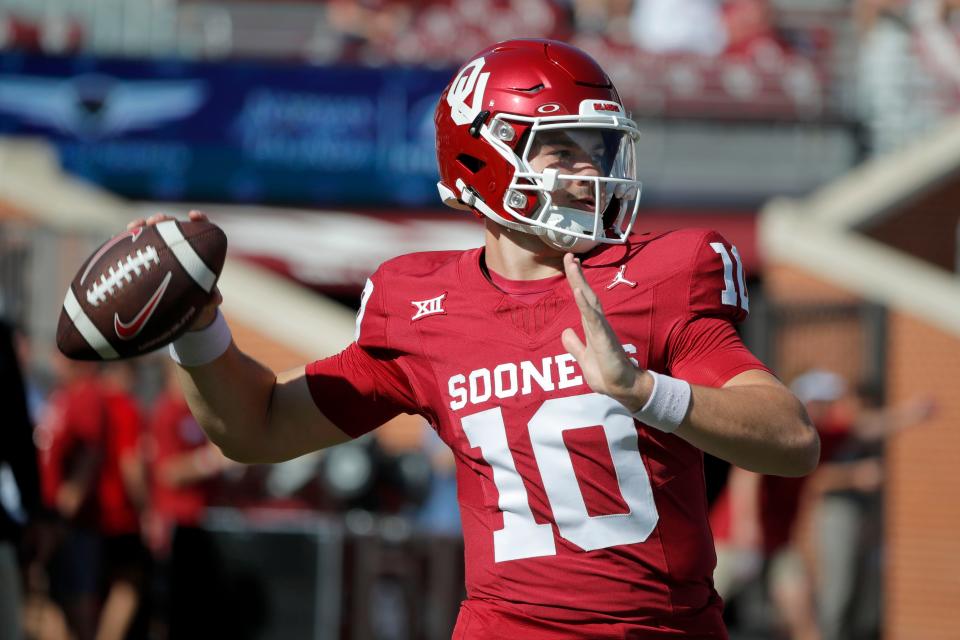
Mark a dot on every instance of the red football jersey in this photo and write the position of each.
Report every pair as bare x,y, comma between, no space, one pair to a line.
572,511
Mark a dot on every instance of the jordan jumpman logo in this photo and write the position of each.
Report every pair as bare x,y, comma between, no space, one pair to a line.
620,279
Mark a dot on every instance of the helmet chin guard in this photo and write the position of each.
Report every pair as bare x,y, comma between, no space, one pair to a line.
531,134
572,220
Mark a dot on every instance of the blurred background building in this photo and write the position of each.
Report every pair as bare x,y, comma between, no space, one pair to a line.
821,137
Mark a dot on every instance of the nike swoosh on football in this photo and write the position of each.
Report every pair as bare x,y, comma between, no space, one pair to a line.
129,330
133,234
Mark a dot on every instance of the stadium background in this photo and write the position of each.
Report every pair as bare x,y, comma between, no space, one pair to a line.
817,136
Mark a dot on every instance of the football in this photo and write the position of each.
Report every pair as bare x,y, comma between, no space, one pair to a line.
141,290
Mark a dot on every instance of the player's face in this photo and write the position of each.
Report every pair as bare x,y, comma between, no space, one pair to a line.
579,153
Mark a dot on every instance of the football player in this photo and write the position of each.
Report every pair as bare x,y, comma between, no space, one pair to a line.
577,370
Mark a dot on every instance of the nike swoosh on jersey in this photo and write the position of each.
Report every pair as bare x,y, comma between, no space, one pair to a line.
129,330
133,234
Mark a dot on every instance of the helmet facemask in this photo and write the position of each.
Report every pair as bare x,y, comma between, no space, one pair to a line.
575,177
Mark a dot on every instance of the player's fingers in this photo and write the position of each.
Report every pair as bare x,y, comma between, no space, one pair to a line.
588,316
196,214
572,343
158,217
133,224
588,313
581,280
573,272
597,330
207,313
594,322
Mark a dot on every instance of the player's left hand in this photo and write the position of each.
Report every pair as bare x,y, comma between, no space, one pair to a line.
602,359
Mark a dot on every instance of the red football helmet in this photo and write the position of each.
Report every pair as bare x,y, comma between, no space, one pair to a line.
531,134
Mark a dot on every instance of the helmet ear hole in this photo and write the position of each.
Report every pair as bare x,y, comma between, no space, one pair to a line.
471,163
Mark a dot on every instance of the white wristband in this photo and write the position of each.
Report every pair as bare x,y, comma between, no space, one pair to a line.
195,348
668,403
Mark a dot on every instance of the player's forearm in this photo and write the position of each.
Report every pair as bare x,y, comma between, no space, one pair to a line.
254,415
761,428
230,399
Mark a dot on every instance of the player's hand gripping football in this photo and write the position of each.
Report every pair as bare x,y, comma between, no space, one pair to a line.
209,312
602,359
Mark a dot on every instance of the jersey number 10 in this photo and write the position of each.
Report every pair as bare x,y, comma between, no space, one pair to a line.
729,293
523,537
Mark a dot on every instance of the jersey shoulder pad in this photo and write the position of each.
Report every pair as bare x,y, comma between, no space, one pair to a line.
422,264
393,290
666,254
718,285
705,267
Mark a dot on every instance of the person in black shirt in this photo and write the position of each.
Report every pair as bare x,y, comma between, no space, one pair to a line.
19,482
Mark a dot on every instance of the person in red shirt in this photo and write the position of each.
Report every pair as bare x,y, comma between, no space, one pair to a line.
183,468
93,478
847,515
70,437
122,485
757,520
576,370
122,496
751,33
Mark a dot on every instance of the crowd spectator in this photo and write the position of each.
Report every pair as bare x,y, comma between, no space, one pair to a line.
35,393
610,19
91,561
19,484
908,78
755,521
823,584
679,26
184,466
751,32
122,495
69,438
368,29
435,33
847,493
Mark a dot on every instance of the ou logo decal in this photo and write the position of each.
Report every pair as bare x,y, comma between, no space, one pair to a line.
470,80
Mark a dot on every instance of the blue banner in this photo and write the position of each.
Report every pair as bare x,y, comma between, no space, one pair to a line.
232,131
